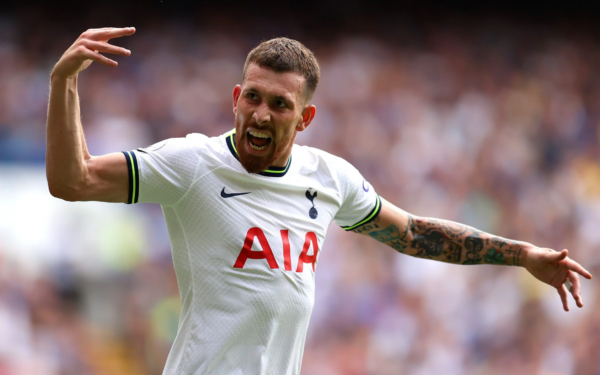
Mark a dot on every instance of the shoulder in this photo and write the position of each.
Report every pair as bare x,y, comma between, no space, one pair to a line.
172,144
330,170
193,143
190,152
310,155
313,159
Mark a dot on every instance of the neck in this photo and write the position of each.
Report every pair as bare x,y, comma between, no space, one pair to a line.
282,160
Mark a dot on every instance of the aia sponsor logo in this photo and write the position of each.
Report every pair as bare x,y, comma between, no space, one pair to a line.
310,240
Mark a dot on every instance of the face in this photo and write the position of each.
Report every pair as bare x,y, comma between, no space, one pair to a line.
269,110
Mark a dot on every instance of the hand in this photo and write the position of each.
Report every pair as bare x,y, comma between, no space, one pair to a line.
86,49
555,268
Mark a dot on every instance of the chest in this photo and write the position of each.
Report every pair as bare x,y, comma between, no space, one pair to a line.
257,223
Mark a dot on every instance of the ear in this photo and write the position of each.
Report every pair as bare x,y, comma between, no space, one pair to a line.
237,91
308,114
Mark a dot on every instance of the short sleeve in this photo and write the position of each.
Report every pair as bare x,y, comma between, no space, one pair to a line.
164,172
360,203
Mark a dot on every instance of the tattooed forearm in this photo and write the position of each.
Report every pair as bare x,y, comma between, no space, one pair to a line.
392,237
446,241
513,251
452,229
473,246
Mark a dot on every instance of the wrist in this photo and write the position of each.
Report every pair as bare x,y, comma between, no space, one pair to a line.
57,78
526,249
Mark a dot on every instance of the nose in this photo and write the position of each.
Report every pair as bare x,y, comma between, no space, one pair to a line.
262,115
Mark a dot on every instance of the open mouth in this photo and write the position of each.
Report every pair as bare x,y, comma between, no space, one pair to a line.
258,140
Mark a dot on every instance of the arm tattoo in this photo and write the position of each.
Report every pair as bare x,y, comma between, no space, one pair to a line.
368,227
392,236
445,241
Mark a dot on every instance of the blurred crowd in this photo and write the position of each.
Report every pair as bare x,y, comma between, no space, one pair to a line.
493,125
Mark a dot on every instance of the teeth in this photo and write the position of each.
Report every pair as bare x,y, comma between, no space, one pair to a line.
258,134
257,148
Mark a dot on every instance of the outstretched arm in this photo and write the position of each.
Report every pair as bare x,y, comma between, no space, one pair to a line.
452,242
71,172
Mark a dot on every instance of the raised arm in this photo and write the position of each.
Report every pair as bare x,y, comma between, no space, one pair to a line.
452,242
72,173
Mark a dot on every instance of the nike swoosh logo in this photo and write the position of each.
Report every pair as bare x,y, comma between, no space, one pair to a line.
225,195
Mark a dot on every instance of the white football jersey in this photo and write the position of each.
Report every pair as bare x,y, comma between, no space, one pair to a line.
245,246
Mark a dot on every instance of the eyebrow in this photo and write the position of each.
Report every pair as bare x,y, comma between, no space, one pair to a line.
276,97
283,98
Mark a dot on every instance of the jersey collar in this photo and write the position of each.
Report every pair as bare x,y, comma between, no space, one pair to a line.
272,171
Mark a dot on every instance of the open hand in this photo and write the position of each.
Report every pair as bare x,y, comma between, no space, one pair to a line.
556,268
87,48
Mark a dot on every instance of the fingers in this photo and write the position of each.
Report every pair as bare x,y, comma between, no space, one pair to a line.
555,256
115,33
576,267
90,48
95,56
105,47
108,33
562,292
575,288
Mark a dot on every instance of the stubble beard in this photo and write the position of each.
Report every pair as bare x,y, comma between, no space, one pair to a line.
254,164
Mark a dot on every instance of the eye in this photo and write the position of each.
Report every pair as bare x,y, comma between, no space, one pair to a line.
252,96
281,104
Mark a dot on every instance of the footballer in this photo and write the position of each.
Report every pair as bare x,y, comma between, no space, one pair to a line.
247,211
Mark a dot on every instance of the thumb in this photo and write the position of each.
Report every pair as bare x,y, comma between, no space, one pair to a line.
556,256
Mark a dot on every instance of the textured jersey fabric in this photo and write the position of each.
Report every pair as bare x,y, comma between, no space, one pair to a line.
245,247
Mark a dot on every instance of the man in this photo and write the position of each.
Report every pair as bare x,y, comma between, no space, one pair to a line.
247,211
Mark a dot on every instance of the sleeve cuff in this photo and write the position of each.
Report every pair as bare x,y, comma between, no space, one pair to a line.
134,177
370,217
